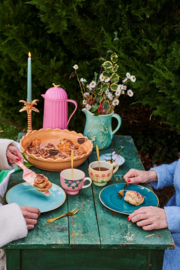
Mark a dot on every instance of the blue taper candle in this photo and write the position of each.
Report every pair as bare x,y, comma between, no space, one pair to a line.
29,79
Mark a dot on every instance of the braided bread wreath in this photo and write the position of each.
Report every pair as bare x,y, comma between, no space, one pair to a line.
42,183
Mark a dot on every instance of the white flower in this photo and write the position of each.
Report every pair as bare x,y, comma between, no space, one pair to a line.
101,77
123,92
124,87
107,79
92,84
84,102
115,102
86,94
124,80
89,87
118,92
83,80
88,107
110,96
128,75
107,91
130,93
120,87
75,66
133,78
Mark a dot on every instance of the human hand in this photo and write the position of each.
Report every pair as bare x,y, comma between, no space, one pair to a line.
134,176
149,218
13,154
30,215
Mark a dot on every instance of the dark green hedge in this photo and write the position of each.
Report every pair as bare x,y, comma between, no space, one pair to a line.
59,34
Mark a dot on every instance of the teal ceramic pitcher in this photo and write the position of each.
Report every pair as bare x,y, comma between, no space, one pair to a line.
99,128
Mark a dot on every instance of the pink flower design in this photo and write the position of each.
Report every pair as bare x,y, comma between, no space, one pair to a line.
97,175
103,175
108,174
91,173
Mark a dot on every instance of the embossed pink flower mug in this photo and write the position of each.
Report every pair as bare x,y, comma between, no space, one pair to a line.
102,177
72,182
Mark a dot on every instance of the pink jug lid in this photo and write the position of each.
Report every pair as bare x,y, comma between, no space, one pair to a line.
55,93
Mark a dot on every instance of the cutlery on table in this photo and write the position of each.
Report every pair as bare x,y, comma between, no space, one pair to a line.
71,213
29,176
121,192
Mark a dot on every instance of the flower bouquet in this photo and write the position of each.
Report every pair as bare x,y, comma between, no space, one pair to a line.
102,94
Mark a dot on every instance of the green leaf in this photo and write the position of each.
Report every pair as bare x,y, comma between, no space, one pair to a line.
107,65
114,78
96,114
106,73
106,104
115,68
114,57
95,76
105,86
27,164
98,98
94,107
114,86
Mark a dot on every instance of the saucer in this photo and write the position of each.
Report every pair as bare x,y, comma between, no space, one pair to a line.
107,157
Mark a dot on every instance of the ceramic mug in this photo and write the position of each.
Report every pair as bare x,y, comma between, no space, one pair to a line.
73,182
100,178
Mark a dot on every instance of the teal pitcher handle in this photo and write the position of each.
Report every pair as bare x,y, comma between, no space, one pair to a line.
119,124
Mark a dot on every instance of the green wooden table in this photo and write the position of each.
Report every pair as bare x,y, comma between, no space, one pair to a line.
95,238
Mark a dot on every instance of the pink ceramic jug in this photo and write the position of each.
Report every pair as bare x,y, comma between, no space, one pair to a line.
56,108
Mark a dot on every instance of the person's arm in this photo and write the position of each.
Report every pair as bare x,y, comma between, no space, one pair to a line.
173,218
12,224
15,222
165,175
8,150
149,218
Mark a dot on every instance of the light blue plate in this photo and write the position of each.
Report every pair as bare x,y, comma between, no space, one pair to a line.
120,160
109,198
26,195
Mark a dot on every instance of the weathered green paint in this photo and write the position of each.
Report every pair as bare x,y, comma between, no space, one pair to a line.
45,234
91,259
83,228
115,230
95,238
13,259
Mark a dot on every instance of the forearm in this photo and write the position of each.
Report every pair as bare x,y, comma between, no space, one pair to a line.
173,218
165,175
152,175
12,224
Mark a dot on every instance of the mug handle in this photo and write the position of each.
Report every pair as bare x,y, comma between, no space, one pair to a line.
88,185
117,167
115,115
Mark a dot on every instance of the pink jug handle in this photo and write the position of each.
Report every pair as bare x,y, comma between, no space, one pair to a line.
75,103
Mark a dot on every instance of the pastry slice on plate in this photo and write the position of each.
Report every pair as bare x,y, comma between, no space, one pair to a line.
133,197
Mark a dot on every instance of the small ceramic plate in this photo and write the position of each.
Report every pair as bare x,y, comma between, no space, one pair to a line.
109,198
26,195
116,158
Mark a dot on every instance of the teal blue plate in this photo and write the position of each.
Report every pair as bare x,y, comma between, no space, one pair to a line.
26,195
109,198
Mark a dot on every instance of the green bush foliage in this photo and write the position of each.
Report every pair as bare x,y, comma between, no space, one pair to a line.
59,34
